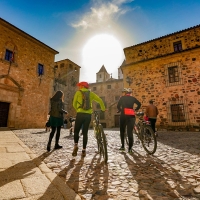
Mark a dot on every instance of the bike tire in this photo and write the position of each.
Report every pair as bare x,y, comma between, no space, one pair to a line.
149,141
104,144
97,136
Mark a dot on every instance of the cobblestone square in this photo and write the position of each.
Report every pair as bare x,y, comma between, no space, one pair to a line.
173,172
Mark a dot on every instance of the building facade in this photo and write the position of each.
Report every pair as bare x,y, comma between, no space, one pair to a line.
110,90
167,70
29,76
25,76
66,77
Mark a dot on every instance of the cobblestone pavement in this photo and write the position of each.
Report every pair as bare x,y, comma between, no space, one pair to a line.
173,172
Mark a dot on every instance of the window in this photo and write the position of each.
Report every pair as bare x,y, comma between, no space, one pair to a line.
177,46
70,66
173,74
178,113
99,75
8,55
62,65
40,70
94,88
56,67
108,86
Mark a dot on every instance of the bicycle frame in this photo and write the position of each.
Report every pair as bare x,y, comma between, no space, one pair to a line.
140,124
145,134
100,136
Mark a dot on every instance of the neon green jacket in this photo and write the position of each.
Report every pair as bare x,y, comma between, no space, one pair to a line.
77,101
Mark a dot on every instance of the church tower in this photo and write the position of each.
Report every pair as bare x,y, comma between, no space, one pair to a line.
102,75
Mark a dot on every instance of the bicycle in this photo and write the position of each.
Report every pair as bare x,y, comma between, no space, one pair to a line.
145,134
100,136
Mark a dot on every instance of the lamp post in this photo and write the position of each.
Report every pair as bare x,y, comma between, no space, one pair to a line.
129,80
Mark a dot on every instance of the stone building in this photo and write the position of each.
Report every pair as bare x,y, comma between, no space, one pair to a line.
167,70
109,89
29,76
26,73
66,76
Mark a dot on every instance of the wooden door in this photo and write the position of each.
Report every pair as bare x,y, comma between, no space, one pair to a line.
4,109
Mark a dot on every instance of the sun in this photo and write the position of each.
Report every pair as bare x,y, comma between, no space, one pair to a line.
101,50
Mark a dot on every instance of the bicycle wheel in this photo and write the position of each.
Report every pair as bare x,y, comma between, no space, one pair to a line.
98,138
148,139
103,144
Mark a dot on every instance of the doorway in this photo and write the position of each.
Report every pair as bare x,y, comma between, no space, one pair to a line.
4,109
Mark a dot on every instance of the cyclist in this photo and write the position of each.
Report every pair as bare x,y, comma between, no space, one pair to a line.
124,91
127,117
83,116
152,113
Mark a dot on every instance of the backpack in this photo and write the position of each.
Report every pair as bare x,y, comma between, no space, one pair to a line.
86,104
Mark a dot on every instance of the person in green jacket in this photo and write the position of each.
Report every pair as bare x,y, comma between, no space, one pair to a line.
82,103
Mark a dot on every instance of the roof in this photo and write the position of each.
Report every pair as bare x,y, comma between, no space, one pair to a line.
124,63
103,69
66,60
111,79
197,26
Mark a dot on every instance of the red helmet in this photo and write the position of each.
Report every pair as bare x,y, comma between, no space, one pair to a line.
84,84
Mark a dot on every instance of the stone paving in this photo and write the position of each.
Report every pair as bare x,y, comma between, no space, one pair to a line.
173,172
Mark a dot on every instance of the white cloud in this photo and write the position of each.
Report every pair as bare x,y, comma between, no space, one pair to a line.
102,14
101,19
119,2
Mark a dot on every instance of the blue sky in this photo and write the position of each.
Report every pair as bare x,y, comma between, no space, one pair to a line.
93,33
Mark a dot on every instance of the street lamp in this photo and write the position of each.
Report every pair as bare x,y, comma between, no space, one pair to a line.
129,80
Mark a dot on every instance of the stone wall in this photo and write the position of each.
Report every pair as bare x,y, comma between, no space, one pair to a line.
110,91
20,85
148,63
162,46
68,72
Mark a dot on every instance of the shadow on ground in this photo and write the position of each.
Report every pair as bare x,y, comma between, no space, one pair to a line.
186,141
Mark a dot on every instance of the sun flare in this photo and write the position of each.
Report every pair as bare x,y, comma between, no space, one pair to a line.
101,50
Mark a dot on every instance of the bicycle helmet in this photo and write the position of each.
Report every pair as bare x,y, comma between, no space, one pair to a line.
129,90
125,90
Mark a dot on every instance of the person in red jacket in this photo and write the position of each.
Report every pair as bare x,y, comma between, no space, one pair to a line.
126,103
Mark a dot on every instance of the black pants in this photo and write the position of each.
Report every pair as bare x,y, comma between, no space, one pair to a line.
53,130
82,120
153,124
129,122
